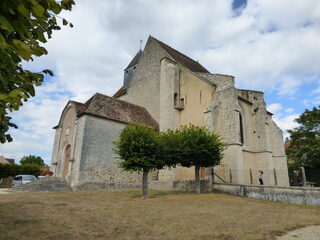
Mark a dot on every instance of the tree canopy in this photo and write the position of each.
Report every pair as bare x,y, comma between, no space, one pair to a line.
32,159
138,148
24,26
11,170
143,149
304,149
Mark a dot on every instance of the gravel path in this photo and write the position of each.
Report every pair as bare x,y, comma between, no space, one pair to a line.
307,233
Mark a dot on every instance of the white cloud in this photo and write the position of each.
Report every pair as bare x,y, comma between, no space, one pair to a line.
286,123
272,45
274,108
289,110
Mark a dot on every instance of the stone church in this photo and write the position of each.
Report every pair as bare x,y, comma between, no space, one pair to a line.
165,89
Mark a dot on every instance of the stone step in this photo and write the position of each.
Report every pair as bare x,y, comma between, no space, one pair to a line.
48,184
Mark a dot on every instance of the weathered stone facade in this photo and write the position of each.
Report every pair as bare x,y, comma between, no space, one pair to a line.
175,95
176,91
89,131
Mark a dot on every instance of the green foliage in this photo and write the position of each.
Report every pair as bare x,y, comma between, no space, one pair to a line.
32,159
138,149
304,149
141,148
7,170
195,146
24,25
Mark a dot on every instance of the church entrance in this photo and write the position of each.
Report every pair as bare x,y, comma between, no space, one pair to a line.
67,153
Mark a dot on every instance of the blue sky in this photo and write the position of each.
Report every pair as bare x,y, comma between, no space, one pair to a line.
267,45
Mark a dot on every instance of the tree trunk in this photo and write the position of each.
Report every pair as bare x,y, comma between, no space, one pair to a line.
197,175
145,184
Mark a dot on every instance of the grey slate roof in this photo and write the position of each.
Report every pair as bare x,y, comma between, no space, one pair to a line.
107,107
135,60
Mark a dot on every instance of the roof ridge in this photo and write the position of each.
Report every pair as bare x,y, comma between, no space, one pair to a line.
76,102
178,52
120,100
173,49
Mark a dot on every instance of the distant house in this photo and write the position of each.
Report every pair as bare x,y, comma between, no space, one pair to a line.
6,160
6,182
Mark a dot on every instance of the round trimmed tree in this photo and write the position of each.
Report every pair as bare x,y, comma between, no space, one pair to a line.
138,149
199,147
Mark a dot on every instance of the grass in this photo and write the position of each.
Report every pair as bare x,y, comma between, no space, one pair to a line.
166,215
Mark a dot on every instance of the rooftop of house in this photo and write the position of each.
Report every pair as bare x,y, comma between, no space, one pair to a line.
6,160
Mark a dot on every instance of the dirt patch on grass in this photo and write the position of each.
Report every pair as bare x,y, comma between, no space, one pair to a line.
166,215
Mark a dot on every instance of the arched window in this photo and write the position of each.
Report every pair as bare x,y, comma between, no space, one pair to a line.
67,153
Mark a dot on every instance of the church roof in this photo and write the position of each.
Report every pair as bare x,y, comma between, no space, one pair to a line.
184,60
120,92
111,108
177,56
135,60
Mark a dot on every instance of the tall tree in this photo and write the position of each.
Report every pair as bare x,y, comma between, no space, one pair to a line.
199,147
32,159
138,149
304,149
24,25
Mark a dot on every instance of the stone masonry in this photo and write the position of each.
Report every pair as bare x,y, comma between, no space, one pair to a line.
165,89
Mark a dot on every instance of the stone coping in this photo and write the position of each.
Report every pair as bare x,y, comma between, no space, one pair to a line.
266,186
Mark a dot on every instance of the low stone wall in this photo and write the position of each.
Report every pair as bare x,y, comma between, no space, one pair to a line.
296,195
105,186
186,186
6,182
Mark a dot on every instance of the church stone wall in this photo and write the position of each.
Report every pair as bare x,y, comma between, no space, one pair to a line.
98,164
74,174
183,100
197,96
64,136
144,89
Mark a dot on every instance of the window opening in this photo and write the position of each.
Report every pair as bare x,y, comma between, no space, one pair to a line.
241,129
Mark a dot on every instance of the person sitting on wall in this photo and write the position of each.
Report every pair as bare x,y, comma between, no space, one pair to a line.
261,177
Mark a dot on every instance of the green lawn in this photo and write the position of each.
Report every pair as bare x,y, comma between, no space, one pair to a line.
166,215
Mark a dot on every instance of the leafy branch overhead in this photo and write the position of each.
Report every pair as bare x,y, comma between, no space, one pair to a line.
24,26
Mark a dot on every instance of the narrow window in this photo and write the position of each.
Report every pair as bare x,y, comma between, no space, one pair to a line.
175,99
182,102
241,129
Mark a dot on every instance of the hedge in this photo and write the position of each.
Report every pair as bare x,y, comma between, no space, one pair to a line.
7,170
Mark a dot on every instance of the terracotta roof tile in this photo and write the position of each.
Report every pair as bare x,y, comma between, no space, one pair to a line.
122,91
111,108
